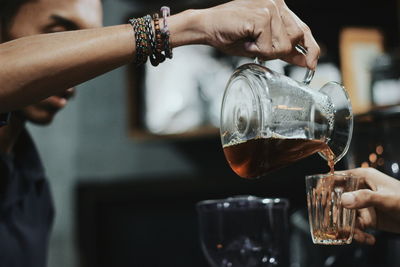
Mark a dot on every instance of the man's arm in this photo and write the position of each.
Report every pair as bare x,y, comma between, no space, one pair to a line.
35,67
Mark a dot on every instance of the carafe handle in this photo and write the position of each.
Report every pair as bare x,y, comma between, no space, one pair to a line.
309,74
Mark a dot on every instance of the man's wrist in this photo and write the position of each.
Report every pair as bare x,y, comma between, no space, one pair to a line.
187,28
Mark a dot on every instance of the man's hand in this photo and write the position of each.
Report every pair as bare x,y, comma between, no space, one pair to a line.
378,203
267,29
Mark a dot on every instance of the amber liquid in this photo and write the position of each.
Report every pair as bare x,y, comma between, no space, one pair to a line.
337,236
256,157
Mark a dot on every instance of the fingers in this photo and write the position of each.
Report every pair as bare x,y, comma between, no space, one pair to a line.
313,50
271,38
373,178
69,93
58,101
366,176
363,237
359,199
366,218
382,190
281,44
54,102
300,33
261,46
293,25
267,29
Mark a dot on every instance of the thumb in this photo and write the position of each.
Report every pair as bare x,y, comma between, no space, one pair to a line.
358,199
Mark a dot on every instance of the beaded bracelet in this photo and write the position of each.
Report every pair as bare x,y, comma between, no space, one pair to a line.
149,28
157,49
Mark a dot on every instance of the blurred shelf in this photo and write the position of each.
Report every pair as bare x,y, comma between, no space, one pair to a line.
200,132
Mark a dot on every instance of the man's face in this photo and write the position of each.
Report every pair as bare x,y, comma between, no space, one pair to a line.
48,16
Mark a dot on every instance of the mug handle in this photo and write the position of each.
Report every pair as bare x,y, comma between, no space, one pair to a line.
310,73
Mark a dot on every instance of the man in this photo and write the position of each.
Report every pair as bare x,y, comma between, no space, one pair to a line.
26,208
37,66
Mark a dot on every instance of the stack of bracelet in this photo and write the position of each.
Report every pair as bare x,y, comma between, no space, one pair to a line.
154,44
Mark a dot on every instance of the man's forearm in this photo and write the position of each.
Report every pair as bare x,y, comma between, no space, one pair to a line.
35,67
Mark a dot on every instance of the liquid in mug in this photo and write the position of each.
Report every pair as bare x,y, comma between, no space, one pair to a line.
340,236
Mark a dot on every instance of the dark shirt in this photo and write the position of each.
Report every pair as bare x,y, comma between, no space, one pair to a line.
26,207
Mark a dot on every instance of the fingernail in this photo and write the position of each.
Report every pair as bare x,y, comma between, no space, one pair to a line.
348,199
355,236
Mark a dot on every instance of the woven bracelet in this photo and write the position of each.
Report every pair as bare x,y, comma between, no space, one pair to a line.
143,39
152,40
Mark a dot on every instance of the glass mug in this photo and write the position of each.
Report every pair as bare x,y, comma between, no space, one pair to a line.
244,231
269,120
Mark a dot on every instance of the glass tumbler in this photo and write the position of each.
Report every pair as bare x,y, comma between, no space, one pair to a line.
330,223
244,231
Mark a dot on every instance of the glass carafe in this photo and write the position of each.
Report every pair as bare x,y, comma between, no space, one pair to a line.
269,120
